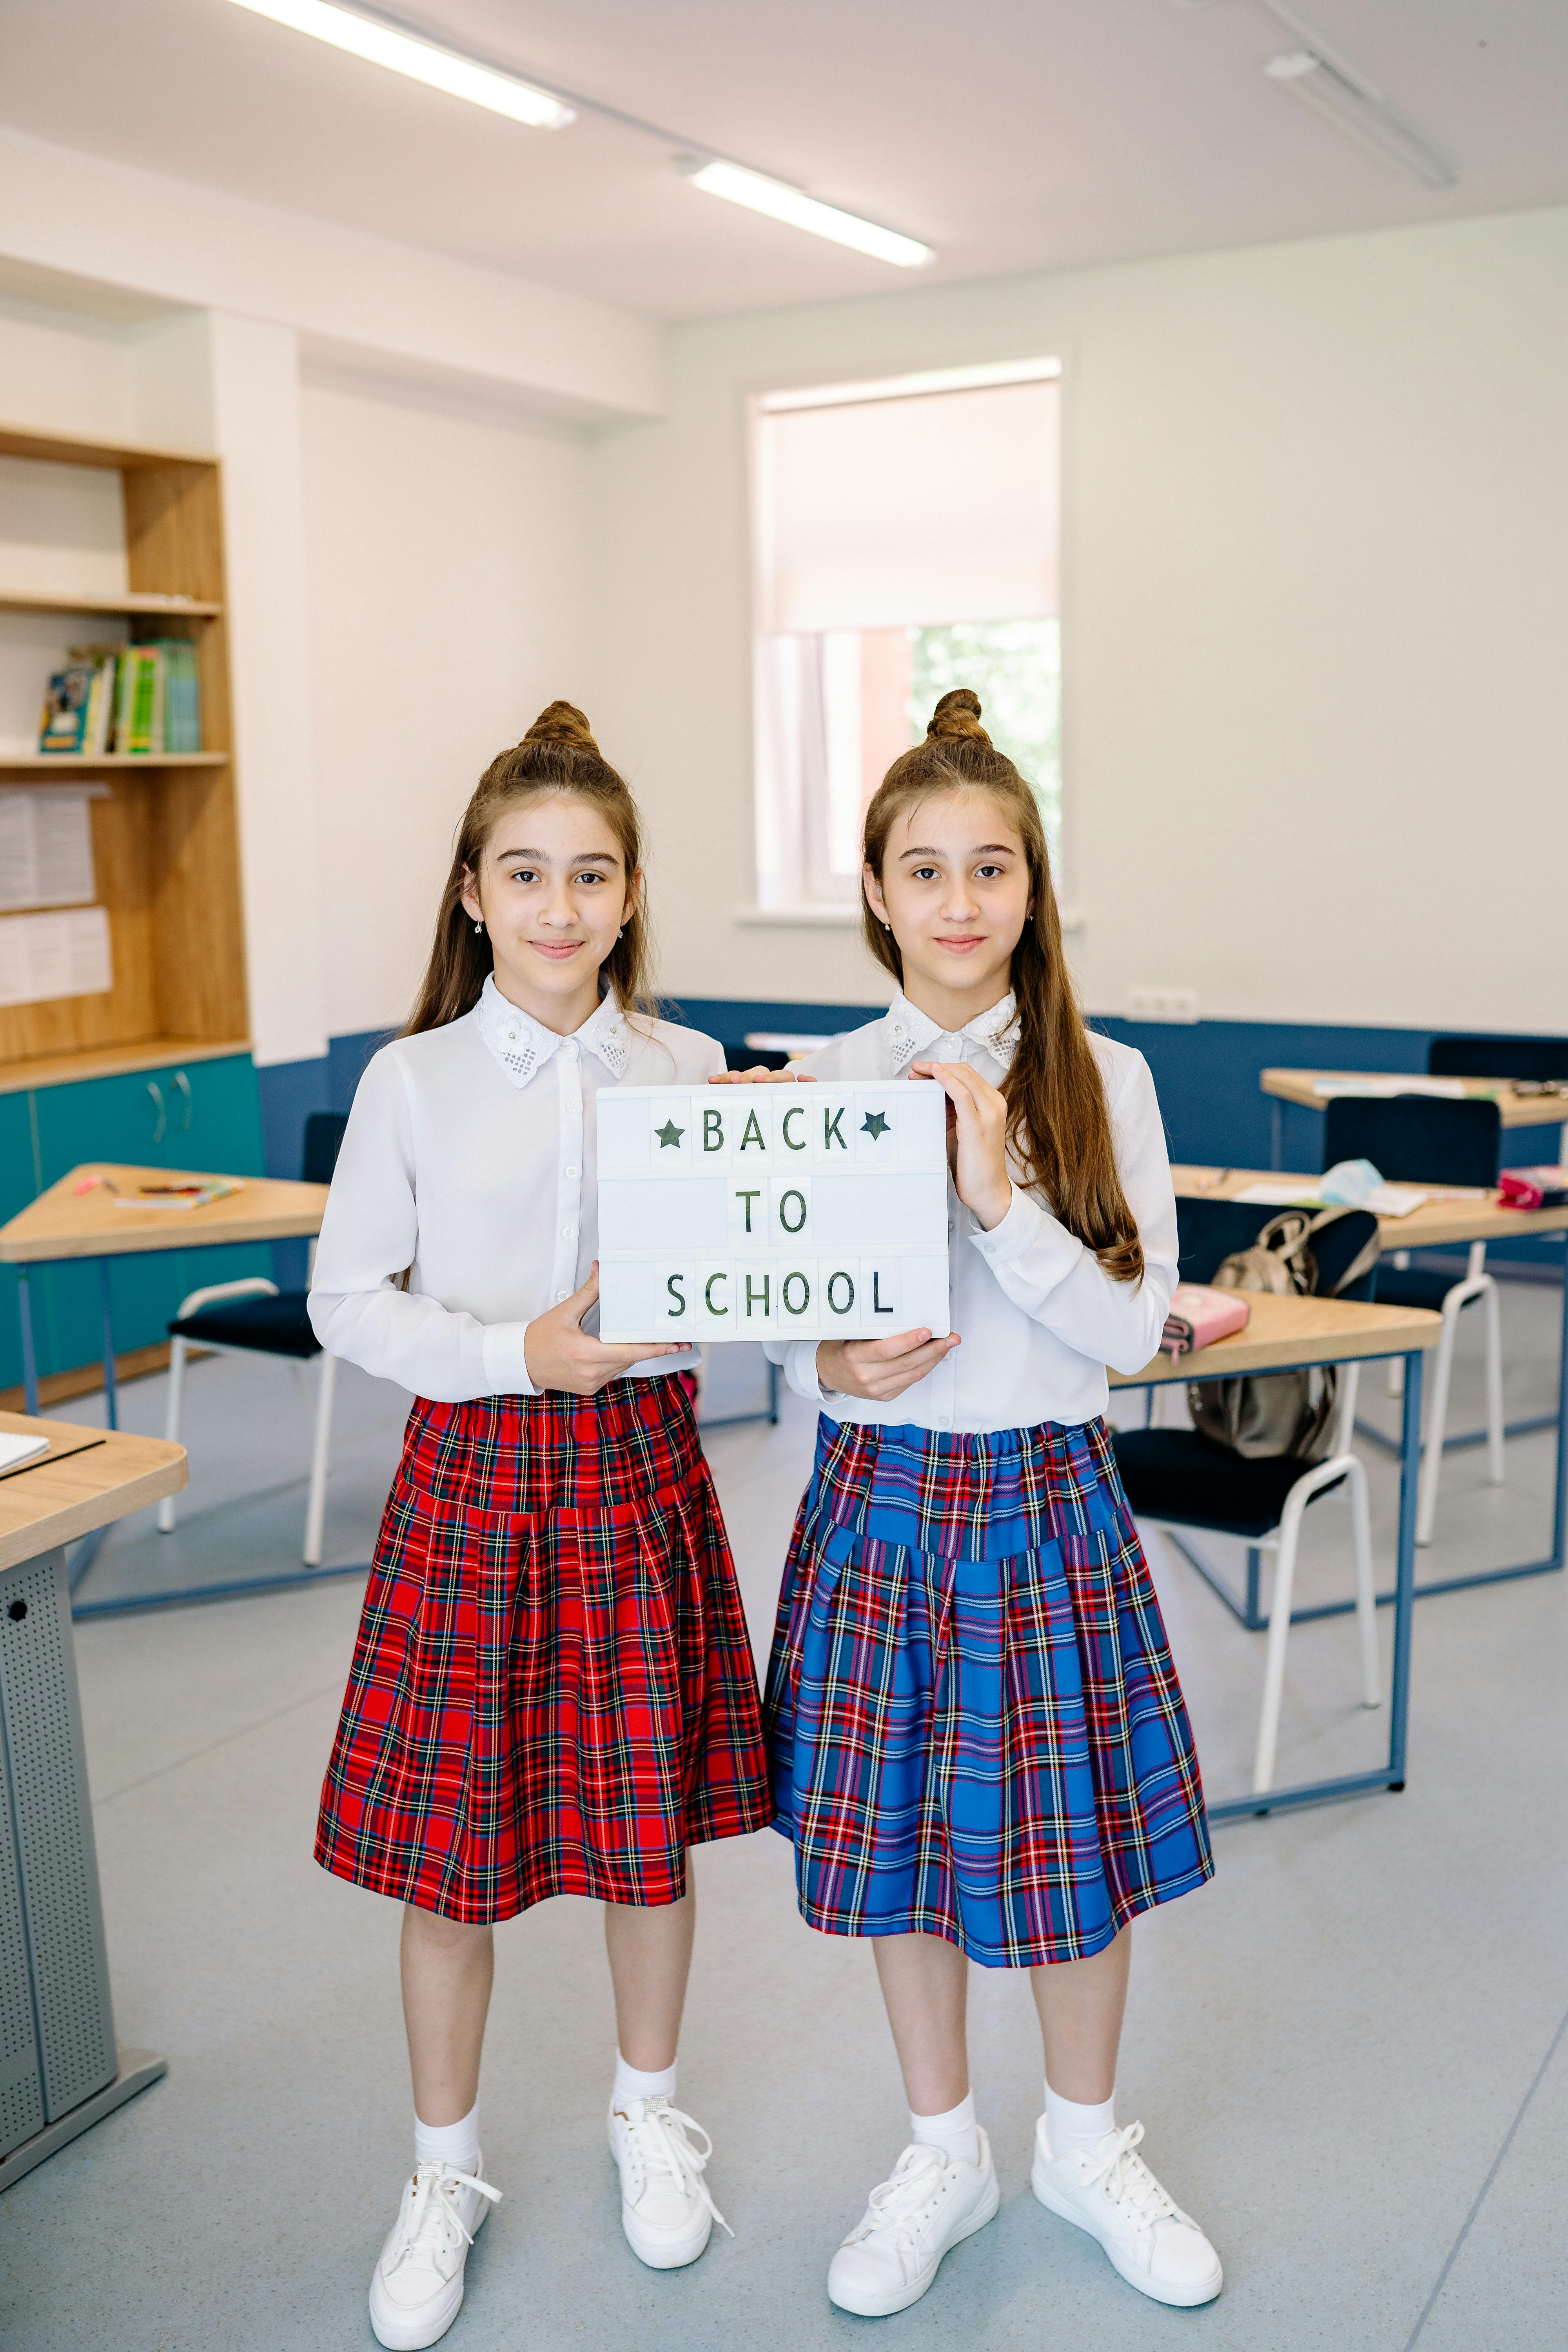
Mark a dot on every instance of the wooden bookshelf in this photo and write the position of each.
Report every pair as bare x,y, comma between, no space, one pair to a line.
130,606
92,764
166,833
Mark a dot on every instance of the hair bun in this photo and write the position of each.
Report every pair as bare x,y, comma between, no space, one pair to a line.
958,713
563,722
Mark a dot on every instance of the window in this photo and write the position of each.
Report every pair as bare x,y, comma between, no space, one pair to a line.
905,540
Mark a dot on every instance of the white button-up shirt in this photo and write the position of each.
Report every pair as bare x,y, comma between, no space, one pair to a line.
1039,1317
470,1161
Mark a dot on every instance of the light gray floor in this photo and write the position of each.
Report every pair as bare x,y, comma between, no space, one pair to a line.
1346,2050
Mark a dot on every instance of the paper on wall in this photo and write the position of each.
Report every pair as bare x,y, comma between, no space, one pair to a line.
47,956
46,849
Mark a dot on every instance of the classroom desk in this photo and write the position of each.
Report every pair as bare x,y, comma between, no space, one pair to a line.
66,1223
58,2059
1514,1108
1435,1224
1285,1335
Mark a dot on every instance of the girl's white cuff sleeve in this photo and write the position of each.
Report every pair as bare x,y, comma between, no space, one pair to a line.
798,1359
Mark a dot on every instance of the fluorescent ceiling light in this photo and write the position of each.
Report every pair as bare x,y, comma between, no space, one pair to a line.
793,206
911,387
383,45
1354,109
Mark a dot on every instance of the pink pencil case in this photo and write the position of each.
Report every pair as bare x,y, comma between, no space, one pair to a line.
1199,1315
1533,1188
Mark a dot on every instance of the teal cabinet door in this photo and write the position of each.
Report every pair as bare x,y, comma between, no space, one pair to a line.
214,1127
18,1185
207,1116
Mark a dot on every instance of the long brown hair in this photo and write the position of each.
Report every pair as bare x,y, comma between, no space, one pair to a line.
1058,1127
557,755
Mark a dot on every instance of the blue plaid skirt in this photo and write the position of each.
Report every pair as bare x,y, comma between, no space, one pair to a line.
974,1727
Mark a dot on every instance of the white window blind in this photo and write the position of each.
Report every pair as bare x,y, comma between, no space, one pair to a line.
928,509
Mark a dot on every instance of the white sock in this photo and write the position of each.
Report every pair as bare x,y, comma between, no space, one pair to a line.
454,2144
954,2132
636,2083
1069,2125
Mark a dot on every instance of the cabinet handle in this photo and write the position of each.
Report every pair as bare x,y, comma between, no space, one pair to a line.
162,1109
185,1086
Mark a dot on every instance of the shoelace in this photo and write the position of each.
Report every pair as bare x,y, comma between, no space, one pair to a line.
433,2211
899,2204
1129,2184
659,2143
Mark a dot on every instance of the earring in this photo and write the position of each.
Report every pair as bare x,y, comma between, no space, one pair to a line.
479,927
887,926
622,932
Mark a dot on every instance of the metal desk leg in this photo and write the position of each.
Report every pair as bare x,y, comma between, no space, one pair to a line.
1404,1573
110,1392
29,1359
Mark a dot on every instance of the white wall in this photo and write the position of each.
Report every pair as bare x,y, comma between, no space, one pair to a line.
1315,603
449,603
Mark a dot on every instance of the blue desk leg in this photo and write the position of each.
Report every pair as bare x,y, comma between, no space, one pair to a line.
29,1359
1276,1133
1405,1574
110,1392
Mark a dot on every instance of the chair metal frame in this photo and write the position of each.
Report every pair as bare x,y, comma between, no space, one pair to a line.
1389,1775
321,1408
1283,1541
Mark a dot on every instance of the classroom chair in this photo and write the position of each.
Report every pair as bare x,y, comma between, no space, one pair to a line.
1417,1140
1498,1057
254,1318
1177,1478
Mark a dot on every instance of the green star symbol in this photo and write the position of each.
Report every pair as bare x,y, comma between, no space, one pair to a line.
874,1123
668,1135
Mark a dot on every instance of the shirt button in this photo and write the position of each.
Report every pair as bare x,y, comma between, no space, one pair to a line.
570,1050
572,1172
560,1298
568,1233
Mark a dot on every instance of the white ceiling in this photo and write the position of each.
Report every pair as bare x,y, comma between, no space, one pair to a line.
1012,134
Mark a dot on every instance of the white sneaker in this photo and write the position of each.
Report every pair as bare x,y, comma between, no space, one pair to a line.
667,2210
417,2287
1113,2195
932,2201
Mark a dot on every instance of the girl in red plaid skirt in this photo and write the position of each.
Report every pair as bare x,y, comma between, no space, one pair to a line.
551,1691
979,1744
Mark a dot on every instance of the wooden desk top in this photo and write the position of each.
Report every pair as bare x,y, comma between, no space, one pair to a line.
63,1222
1516,1109
1434,1224
53,1502
1295,1331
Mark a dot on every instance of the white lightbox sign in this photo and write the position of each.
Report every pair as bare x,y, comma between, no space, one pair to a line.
773,1212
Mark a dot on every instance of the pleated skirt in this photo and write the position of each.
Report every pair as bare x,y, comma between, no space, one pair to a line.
551,1690
974,1726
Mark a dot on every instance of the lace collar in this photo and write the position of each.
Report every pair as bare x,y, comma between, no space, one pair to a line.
912,1032
522,1046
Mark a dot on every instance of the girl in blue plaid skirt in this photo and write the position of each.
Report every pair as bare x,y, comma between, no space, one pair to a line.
978,1741
551,1691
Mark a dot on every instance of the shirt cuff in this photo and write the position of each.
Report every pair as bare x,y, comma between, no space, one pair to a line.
1029,1230
800,1369
506,1366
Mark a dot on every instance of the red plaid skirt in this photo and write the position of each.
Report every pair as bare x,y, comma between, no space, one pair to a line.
553,1690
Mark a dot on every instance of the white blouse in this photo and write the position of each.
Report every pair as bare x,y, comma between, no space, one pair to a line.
1039,1317
469,1159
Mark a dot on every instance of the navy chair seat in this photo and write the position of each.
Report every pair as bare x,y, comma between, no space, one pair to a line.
1414,1285
273,1326
1181,1475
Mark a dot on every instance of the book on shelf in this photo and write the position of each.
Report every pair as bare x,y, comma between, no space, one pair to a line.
143,699
66,698
139,711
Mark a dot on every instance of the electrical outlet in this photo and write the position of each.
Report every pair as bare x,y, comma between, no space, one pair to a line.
1162,1003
